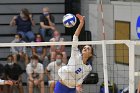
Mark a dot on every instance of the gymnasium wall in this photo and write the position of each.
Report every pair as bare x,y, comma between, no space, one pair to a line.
121,11
117,73
129,11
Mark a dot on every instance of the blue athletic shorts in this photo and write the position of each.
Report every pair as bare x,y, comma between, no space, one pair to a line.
60,88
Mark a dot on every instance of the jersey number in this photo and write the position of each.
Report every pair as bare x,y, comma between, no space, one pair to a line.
78,70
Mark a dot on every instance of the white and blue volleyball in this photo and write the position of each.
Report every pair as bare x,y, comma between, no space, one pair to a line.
69,20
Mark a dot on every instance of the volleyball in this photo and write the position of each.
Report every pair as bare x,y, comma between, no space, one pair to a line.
69,20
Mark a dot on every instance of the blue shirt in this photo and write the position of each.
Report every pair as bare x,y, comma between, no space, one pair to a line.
23,25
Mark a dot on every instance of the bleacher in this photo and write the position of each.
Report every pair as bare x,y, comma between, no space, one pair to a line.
10,8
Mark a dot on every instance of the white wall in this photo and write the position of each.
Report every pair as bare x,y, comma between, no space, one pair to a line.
127,11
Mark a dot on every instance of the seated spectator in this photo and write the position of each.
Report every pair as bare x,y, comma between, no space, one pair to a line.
54,49
35,73
6,82
40,51
52,71
13,72
24,23
47,25
1,77
19,52
1,71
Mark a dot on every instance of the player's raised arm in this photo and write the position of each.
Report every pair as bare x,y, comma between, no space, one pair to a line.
81,19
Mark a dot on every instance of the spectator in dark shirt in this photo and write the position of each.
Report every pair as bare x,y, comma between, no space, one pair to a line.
13,72
47,25
24,23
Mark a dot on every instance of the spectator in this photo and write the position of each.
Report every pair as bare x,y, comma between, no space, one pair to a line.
1,71
57,48
3,82
40,51
24,23
19,52
35,73
52,71
6,82
47,25
13,72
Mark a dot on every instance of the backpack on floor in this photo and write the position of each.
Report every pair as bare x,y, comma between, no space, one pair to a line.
92,78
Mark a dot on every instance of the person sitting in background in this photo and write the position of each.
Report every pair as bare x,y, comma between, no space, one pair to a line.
52,71
19,51
47,25
54,49
40,51
24,23
35,73
6,82
2,76
13,72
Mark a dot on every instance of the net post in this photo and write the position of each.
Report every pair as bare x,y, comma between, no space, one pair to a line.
131,67
105,66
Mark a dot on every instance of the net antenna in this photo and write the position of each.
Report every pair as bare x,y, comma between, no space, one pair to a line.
102,19
104,48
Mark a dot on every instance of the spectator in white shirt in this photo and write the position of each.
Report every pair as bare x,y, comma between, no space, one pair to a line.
35,73
52,71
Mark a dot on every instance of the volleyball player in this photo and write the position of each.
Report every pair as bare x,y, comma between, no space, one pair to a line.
73,74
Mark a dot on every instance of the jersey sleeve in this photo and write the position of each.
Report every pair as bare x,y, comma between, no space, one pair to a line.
80,81
74,49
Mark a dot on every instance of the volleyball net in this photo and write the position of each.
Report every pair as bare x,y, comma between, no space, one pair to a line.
115,61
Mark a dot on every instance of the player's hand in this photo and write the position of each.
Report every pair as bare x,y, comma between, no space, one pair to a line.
81,18
79,89
8,82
